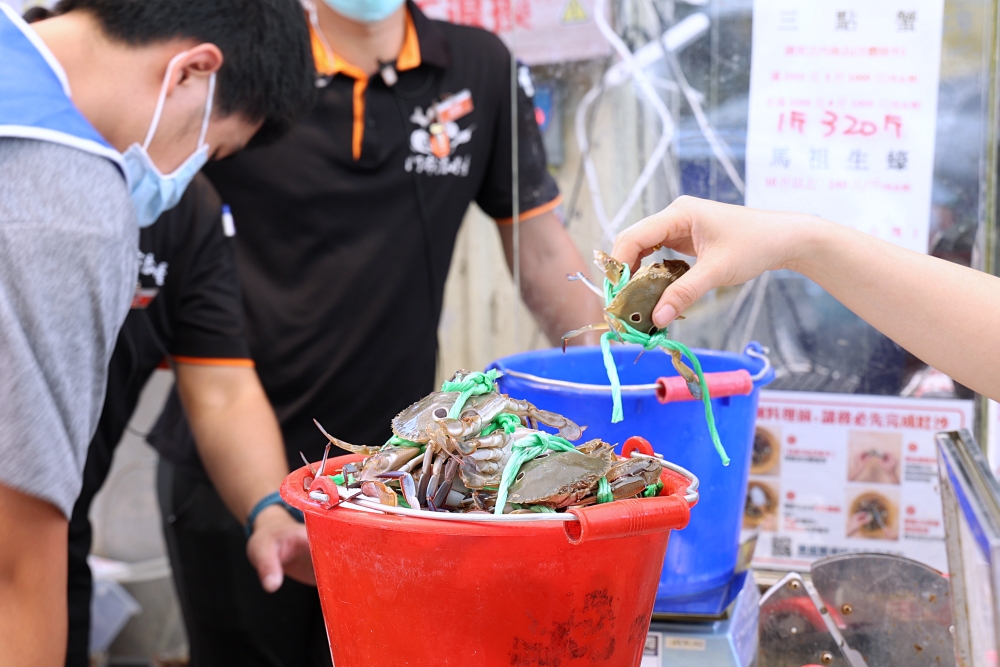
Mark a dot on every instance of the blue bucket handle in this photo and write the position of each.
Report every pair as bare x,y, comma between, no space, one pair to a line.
754,350
766,373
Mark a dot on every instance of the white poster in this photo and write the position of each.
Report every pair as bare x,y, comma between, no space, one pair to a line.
544,31
834,473
843,110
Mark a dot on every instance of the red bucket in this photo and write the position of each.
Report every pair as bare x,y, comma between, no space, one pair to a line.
512,590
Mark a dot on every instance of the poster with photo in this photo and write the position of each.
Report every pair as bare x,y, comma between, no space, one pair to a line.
843,111
834,473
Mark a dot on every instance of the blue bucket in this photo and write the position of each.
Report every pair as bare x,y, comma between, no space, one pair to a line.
702,557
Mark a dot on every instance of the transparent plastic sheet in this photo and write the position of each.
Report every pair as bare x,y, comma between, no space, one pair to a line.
603,135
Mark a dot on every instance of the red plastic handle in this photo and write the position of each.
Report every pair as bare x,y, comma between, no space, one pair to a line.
729,383
637,443
326,486
626,518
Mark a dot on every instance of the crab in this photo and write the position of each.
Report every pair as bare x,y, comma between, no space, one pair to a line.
557,479
484,465
634,304
563,479
415,422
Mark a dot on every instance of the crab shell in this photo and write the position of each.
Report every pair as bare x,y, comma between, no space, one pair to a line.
413,422
558,479
635,302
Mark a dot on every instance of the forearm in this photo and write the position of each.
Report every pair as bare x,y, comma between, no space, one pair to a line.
548,255
236,432
945,314
33,617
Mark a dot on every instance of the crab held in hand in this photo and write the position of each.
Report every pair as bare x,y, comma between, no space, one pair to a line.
634,303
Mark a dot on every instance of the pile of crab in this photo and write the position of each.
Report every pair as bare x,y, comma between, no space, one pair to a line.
473,449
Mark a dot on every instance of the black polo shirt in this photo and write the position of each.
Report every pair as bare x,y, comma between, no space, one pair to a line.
187,306
347,227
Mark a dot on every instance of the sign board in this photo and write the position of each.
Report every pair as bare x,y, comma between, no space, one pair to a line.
539,31
834,473
843,112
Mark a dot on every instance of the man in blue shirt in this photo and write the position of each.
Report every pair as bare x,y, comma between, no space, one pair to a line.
106,113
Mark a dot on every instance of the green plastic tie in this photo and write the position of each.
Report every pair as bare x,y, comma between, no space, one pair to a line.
506,421
350,479
338,479
474,384
524,450
542,509
604,494
396,441
650,342
653,489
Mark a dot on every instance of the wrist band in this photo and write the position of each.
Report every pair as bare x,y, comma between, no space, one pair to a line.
264,503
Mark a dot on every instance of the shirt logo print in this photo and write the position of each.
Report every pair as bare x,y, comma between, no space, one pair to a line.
148,266
433,153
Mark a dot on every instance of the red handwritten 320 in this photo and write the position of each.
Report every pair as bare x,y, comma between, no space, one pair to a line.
846,124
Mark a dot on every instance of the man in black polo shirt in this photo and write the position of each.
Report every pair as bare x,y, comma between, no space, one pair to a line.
187,309
347,229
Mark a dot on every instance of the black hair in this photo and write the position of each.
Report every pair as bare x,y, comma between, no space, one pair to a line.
268,73
34,14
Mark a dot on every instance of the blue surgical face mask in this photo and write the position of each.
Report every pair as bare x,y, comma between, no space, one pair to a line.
365,11
153,192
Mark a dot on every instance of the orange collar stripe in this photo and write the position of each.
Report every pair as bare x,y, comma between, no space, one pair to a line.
409,55
329,64
358,132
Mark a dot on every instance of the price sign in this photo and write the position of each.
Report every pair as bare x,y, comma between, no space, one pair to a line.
843,111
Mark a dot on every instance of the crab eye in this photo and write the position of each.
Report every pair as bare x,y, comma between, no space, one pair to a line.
440,413
519,477
635,317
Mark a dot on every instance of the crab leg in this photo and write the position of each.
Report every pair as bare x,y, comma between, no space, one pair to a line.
407,486
582,278
336,442
312,470
425,473
435,480
689,375
601,326
412,465
567,428
444,486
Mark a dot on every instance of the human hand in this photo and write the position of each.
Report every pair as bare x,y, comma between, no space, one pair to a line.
279,546
733,244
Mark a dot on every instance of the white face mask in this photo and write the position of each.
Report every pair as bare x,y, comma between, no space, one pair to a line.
152,192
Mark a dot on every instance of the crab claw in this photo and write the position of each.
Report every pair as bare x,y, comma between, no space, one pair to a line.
689,375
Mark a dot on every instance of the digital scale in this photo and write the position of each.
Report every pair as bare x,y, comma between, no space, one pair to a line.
728,639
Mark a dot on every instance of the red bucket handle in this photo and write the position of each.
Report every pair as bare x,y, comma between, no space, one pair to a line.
674,389
671,510
627,518
676,480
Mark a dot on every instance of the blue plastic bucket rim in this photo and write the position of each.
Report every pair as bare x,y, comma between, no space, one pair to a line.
754,350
